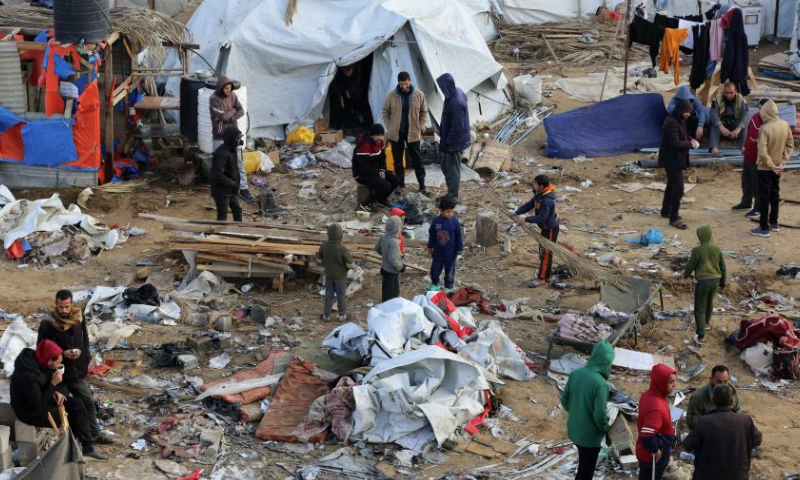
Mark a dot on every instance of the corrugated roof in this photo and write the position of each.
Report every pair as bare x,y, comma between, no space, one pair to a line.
12,88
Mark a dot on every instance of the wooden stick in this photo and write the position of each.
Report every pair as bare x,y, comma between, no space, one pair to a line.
605,76
627,47
53,424
63,413
553,53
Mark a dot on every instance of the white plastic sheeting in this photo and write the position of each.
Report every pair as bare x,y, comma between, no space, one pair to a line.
493,350
481,16
289,68
540,11
17,337
421,388
396,327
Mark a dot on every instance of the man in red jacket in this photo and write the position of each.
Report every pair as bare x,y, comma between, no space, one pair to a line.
749,168
656,432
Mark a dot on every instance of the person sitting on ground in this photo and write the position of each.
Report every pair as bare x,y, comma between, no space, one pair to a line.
723,440
585,399
369,169
673,157
337,261
391,268
34,394
749,167
728,118
225,176
700,403
445,244
225,113
66,328
699,116
545,217
656,432
708,265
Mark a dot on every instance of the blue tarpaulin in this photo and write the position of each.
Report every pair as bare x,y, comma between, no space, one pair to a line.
7,119
48,143
614,127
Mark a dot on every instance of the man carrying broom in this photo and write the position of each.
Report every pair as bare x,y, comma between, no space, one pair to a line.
545,217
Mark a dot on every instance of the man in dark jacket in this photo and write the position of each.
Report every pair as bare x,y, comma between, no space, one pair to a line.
225,176
723,440
545,217
369,168
66,328
347,105
225,112
673,156
701,404
34,394
453,132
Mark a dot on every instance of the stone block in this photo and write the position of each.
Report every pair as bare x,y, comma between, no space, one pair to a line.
28,452
621,435
486,230
26,433
202,344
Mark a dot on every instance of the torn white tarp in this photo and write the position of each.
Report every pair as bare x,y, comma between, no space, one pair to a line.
345,339
20,218
429,386
434,177
396,327
491,348
204,286
102,299
6,196
17,337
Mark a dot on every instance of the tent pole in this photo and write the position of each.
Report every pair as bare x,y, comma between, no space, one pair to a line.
627,46
605,76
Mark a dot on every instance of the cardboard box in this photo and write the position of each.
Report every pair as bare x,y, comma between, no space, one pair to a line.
331,136
274,156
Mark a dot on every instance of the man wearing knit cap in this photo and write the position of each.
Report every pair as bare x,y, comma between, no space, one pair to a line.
34,394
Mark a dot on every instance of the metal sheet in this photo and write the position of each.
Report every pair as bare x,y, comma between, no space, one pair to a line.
12,88
18,175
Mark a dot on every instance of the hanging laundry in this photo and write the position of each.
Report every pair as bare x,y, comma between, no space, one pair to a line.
670,50
735,55
646,33
716,40
688,25
698,73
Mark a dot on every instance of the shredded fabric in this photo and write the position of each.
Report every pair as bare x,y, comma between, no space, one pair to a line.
582,328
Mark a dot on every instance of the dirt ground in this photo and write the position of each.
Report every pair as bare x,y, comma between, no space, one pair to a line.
595,216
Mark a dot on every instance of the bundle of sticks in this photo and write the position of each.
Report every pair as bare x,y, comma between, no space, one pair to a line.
62,414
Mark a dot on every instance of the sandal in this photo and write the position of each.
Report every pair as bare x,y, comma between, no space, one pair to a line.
679,225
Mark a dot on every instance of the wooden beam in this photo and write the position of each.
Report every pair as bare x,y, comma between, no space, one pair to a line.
11,34
25,46
108,124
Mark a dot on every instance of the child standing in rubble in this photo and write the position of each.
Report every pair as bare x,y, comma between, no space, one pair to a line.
708,265
389,249
337,261
445,244
545,217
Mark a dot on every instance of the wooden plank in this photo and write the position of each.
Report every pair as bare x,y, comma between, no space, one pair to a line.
496,156
159,103
243,258
11,34
25,46
254,271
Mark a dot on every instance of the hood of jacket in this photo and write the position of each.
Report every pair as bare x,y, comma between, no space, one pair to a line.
231,137
26,362
704,234
769,112
221,82
659,378
732,19
335,233
447,85
393,226
684,92
401,93
682,106
601,358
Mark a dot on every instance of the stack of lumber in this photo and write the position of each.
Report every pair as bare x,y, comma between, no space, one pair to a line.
262,250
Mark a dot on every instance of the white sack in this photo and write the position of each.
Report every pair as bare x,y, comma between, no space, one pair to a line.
17,337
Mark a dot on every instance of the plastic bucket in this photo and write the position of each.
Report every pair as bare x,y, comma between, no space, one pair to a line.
186,175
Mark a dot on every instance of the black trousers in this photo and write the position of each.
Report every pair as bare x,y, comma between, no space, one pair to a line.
415,159
390,287
673,194
224,201
769,194
545,255
80,389
587,461
379,189
76,416
750,185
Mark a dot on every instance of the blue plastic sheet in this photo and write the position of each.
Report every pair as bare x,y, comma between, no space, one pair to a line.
614,127
48,143
7,119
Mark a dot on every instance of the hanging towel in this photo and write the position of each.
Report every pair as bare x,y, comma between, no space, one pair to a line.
716,39
699,57
646,33
670,45
689,42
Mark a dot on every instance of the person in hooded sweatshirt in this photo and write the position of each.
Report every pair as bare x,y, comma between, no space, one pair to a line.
673,157
656,431
708,265
34,394
445,244
775,146
389,249
749,167
337,261
696,122
545,217
225,176
585,399
369,169
454,133
225,112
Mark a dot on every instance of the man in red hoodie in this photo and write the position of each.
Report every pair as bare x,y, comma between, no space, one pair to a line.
656,432
749,168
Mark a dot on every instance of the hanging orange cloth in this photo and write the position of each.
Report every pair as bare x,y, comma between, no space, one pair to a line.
673,37
86,131
53,102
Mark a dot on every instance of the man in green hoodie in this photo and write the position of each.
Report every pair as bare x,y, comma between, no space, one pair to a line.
708,265
585,398
337,261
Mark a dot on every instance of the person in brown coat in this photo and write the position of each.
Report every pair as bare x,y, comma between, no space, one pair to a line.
723,440
226,112
405,115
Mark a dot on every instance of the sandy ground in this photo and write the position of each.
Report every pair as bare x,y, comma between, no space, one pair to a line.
599,208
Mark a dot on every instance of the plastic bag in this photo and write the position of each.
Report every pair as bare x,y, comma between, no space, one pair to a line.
301,161
300,134
341,155
529,88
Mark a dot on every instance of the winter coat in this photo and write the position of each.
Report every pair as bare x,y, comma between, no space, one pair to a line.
225,167
673,152
417,115
454,129
735,56
740,110
654,423
698,110
369,159
750,148
775,141
700,405
706,260
723,442
31,390
225,109
75,337
389,248
585,398
543,205
334,255
445,237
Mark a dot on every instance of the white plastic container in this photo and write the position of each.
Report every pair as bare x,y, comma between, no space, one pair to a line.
205,138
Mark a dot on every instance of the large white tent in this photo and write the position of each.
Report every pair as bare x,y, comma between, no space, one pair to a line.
288,69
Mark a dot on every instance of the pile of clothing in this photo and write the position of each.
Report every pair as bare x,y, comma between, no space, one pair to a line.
783,336
585,329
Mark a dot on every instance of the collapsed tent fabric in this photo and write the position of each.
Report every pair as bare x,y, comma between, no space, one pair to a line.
62,461
275,363
396,326
612,127
293,65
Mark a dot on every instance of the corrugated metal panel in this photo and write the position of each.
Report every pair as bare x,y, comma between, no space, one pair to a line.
19,175
12,88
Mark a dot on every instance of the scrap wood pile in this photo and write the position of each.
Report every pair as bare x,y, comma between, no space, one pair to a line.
576,42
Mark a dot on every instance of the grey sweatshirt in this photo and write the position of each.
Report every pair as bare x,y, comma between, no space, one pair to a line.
389,247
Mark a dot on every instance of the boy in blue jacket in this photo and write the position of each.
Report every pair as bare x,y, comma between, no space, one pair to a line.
545,217
445,244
